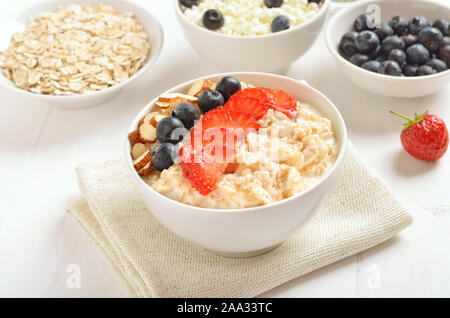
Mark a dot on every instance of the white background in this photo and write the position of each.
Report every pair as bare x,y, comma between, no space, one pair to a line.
40,147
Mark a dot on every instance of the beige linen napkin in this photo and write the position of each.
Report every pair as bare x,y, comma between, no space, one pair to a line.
152,262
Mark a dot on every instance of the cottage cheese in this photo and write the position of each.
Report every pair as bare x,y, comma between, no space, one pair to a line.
251,17
285,157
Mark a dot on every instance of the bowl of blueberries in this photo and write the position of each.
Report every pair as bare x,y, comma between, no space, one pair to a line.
393,48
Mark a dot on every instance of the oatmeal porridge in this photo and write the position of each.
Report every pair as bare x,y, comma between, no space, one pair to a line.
285,151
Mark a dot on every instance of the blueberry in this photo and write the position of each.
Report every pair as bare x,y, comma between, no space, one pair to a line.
410,70
392,42
445,41
399,25
443,25
361,24
437,65
280,23
187,114
348,43
418,23
170,129
359,59
444,54
417,54
409,39
164,156
227,86
398,56
381,58
210,99
189,3
367,42
213,19
372,66
383,31
376,53
273,3
431,38
390,68
425,70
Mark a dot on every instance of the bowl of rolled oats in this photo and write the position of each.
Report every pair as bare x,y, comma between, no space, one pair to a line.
76,54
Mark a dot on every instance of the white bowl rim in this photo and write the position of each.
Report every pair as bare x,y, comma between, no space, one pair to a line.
337,163
75,97
321,11
339,57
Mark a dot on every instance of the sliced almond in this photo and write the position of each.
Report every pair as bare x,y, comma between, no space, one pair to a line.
200,86
167,97
138,150
172,96
196,88
140,162
155,120
147,118
175,102
134,137
210,85
147,132
190,99
146,170
163,105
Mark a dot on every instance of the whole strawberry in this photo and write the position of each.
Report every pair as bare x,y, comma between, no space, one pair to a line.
425,137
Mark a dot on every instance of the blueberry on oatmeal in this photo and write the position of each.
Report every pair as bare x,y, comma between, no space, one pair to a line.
210,99
170,129
163,156
227,86
187,113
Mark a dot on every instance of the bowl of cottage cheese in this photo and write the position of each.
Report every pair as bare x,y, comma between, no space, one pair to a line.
251,35
287,166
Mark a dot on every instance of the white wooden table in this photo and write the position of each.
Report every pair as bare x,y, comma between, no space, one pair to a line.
40,147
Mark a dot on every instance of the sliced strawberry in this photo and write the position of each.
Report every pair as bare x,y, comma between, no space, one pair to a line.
205,158
224,123
224,118
202,170
249,105
254,92
282,102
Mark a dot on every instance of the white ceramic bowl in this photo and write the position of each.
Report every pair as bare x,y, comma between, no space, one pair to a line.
19,21
246,232
376,83
264,53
